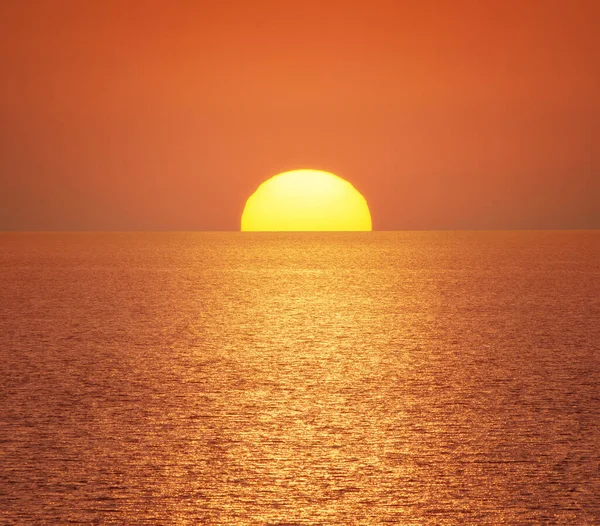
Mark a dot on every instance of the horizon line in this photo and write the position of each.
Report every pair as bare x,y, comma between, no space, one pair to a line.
189,231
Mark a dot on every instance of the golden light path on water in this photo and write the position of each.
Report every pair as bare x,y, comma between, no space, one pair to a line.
232,379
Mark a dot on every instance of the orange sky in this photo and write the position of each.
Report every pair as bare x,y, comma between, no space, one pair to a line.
167,115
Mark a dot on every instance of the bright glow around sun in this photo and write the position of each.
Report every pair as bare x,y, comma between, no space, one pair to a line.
306,200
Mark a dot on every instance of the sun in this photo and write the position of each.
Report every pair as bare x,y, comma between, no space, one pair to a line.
306,200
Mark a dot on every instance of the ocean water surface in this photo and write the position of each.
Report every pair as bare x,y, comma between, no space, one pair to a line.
229,378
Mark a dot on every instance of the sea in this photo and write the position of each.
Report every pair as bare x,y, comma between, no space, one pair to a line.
408,378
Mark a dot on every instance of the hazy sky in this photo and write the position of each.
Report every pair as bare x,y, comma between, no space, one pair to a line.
131,114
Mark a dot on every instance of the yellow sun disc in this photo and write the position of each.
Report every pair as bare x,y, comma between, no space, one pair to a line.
306,200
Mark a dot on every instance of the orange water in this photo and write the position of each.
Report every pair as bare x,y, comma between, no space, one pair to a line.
228,378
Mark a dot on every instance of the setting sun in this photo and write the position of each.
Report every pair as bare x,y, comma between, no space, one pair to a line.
306,200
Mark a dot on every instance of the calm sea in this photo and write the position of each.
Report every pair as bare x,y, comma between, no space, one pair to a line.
229,378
